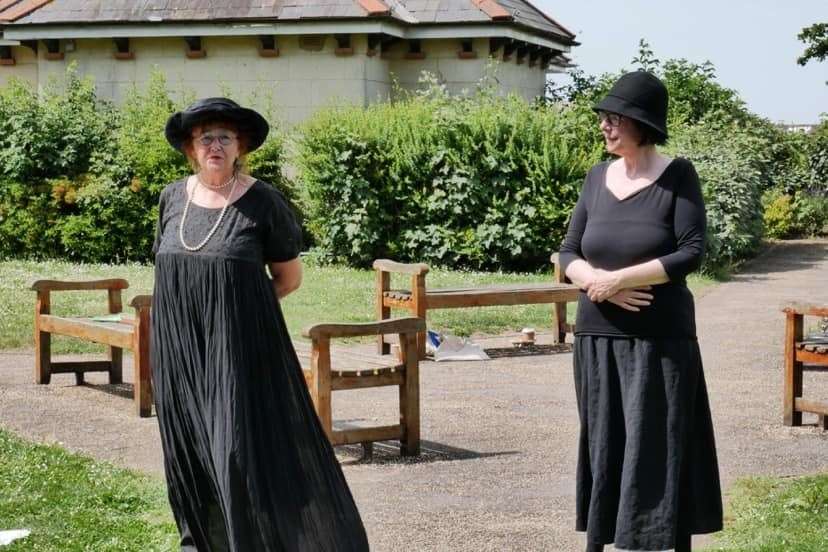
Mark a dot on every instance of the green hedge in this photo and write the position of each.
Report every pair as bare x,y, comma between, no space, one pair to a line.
478,182
80,178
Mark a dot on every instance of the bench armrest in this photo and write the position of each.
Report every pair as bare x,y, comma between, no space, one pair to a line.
387,265
60,285
141,301
806,309
392,326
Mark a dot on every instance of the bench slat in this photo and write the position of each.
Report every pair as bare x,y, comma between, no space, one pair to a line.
115,334
804,405
809,357
350,380
363,435
74,367
493,297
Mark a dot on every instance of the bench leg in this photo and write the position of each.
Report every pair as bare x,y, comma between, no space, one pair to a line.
822,422
116,368
410,397
142,394
43,357
793,370
383,312
367,450
558,323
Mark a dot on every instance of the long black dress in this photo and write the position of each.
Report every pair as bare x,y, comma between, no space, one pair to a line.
247,463
647,471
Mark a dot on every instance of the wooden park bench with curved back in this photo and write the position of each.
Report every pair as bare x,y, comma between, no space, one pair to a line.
418,299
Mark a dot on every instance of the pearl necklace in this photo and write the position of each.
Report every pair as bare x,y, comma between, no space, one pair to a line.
219,187
215,226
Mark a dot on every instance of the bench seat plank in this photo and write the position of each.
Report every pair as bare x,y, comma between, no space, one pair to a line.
116,334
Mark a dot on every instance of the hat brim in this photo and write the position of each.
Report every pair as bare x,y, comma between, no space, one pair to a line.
250,123
614,104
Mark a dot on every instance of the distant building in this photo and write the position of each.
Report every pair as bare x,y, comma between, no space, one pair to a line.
804,127
303,53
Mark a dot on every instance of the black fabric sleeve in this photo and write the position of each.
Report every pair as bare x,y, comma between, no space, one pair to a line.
689,226
159,226
283,236
571,246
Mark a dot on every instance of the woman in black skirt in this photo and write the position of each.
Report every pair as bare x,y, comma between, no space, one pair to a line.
647,472
248,465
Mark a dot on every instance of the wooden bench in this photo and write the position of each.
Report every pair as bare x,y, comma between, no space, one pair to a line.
366,371
351,371
127,333
799,352
418,299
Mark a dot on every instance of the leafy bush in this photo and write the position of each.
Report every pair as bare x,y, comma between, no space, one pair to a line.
80,179
810,215
480,182
55,133
729,164
778,214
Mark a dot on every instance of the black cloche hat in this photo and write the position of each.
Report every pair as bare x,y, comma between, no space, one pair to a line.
250,123
641,96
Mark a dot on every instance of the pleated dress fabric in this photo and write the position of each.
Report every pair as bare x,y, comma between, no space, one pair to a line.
247,463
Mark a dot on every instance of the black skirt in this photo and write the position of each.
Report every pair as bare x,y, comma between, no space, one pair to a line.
647,468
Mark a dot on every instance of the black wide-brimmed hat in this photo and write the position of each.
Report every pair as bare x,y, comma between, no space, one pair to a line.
641,96
249,122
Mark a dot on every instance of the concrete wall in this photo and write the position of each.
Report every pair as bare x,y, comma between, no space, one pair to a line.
25,66
294,84
463,75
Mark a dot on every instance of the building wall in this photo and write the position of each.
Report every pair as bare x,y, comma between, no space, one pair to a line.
463,75
292,86
25,66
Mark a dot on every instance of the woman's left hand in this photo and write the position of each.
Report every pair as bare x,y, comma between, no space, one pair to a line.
604,285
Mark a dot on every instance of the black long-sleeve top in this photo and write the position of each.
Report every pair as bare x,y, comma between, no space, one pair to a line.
665,221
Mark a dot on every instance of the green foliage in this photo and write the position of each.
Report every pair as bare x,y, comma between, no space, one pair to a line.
144,158
729,163
80,179
815,38
54,134
777,515
778,214
810,215
480,182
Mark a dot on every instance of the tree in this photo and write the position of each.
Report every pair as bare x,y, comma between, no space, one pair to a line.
815,38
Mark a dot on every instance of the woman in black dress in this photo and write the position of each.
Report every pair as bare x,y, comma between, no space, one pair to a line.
647,472
248,465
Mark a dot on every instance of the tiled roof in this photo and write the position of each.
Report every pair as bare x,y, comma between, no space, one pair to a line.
412,12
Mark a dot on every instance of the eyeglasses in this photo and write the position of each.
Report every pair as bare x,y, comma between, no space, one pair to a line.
613,119
223,139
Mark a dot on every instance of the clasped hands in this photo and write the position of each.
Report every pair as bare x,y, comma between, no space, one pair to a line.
605,285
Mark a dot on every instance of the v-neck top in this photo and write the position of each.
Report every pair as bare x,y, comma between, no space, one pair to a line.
664,220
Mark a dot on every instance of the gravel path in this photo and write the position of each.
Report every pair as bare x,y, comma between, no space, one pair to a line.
500,436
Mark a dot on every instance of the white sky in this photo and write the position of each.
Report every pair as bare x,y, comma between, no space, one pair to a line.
752,44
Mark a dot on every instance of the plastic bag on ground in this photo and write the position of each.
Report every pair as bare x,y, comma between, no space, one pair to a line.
455,348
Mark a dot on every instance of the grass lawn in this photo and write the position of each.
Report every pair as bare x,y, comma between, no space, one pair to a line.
777,515
328,294
73,503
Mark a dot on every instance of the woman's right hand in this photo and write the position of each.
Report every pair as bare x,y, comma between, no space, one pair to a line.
632,299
